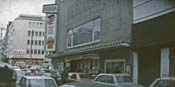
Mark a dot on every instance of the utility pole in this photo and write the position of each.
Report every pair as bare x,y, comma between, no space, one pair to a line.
31,46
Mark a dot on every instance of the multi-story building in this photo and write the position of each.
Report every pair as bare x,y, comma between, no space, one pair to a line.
26,39
123,36
95,35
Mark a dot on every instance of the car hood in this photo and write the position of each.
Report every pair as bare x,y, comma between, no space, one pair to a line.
129,85
86,84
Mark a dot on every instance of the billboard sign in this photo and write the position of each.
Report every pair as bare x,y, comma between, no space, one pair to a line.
51,32
50,8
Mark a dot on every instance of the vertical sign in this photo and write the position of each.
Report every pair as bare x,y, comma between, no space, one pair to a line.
51,10
51,32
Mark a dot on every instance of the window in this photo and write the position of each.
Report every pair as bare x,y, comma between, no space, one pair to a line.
36,42
28,42
39,42
42,51
39,51
41,24
105,79
73,76
28,51
32,42
35,51
36,33
40,33
32,32
42,42
114,66
29,33
84,34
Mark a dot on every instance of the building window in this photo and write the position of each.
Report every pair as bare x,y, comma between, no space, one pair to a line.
31,51
84,34
42,42
40,33
28,51
35,51
42,51
29,33
32,42
115,66
39,42
36,42
39,51
36,33
28,42
41,24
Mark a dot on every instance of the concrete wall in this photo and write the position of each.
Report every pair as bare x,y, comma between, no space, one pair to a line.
116,19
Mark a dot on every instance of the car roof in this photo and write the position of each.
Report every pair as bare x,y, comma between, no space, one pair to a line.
166,78
116,74
37,77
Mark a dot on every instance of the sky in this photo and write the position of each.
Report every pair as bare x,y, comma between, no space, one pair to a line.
10,9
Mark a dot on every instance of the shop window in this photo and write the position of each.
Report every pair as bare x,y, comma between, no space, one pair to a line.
115,66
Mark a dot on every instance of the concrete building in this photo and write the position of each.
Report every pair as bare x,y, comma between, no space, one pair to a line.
26,39
123,36
153,39
94,36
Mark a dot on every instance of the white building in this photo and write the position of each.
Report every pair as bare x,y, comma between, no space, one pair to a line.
26,39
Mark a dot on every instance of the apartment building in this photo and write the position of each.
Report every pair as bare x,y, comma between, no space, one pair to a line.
26,39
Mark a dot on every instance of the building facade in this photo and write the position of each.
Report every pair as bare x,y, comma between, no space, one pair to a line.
94,36
26,39
153,39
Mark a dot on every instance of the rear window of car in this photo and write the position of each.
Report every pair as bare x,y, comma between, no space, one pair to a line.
41,83
123,79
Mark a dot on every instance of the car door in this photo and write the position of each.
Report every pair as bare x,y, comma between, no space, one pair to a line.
23,82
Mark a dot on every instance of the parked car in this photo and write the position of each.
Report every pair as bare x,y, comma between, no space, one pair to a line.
19,73
37,81
163,82
121,80
57,76
87,84
79,77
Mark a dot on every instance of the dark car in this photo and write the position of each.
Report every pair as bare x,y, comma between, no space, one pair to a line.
87,84
7,77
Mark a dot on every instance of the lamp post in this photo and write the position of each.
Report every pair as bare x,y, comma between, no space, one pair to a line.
31,46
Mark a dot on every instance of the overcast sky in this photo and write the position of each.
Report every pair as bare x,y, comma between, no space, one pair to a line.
10,9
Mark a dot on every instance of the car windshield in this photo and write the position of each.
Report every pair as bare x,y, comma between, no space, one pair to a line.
123,79
84,76
41,83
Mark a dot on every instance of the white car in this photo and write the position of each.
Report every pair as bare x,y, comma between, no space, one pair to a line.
121,80
37,81
163,82
79,77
